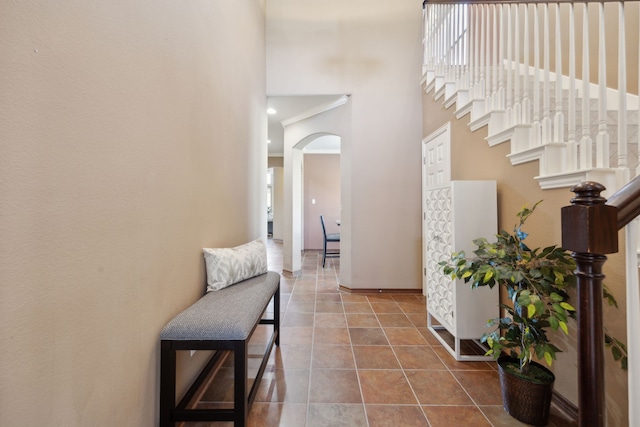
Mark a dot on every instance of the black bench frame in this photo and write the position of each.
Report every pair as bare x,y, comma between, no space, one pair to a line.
170,413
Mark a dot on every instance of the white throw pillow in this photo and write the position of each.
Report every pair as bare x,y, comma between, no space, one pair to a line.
226,266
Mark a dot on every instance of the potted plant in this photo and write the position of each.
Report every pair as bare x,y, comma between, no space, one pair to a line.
536,281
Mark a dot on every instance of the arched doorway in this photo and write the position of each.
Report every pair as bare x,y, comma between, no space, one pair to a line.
299,133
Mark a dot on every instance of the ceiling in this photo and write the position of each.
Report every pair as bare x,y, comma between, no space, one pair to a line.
288,107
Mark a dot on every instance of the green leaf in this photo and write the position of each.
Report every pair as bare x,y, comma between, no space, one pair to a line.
554,323
487,276
559,277
548,358
531,310
564,328
567,306
555,297
617,354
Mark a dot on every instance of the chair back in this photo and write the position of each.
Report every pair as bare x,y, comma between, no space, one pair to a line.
324,230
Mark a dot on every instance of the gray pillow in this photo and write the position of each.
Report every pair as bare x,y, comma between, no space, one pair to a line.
227,266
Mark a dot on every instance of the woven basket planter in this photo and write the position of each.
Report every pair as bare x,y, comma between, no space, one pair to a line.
523,399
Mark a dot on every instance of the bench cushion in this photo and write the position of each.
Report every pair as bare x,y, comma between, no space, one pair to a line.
228,314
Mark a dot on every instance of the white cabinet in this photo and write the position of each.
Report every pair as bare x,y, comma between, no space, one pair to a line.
455,214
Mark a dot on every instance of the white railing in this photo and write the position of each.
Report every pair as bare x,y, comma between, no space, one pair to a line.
502,64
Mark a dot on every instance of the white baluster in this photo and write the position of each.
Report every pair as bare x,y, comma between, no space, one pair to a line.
459,37
438,41
546,115
586,143
509,93
478,65
487,60
483,58
526,102
517,106
468,48
572,157
465,21
602,138
535,125
456,43
425,36
447,43
622,98
558,120
494,63
500,61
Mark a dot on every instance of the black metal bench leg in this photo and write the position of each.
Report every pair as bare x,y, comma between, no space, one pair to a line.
167,383
276,315
240,381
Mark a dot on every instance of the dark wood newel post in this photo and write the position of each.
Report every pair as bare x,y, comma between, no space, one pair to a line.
589,229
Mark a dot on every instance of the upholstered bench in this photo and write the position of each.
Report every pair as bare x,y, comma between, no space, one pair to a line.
223,320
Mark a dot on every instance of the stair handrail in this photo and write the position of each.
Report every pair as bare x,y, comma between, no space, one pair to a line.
627,201
424,2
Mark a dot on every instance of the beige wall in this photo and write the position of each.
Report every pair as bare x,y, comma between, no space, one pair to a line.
322,184
474,159
370,50
131,136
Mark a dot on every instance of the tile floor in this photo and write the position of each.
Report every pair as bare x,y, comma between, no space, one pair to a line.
360,360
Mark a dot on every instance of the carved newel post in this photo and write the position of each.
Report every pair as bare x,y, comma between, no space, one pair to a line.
589,229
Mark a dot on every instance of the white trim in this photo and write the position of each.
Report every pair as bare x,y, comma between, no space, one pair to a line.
316,110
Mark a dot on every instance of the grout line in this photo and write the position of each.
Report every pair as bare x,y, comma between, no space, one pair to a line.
313,336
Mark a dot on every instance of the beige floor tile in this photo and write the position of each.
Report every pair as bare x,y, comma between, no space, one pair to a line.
334,386
482,386
437,388
277,414
357,307
284,385
455,365
375,357
404,336
291,356
447,416
334,336
336,415
385,386
395,416
368,336
418,357
332,357
362,320
329,307
386,307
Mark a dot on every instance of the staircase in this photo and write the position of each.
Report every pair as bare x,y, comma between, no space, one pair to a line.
510,71
550,79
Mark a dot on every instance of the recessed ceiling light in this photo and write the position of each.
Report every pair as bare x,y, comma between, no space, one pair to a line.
271,111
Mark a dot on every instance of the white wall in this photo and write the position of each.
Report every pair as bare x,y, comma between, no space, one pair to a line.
372,51
131,136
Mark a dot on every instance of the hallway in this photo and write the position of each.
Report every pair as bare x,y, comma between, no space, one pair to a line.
360,360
